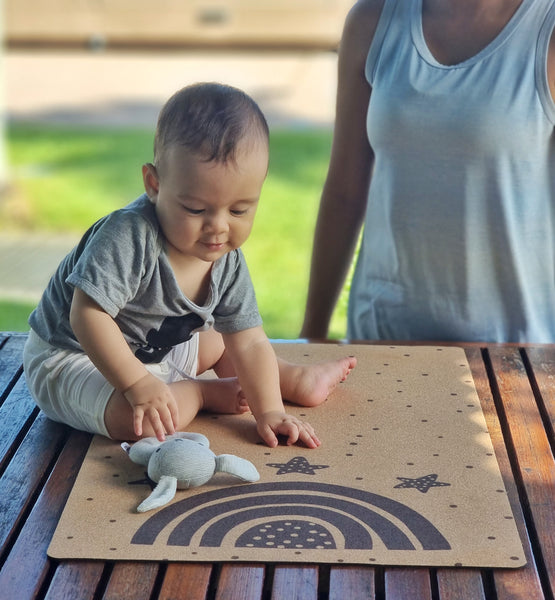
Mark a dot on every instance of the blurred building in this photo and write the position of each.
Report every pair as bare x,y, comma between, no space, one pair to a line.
314,24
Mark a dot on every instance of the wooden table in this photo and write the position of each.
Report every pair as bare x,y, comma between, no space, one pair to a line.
39,461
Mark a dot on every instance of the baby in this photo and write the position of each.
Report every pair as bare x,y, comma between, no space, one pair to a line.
158,292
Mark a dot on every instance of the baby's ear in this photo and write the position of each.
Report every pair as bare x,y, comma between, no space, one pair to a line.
151,182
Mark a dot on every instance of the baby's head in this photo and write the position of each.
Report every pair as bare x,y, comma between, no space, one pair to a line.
212,121
210,162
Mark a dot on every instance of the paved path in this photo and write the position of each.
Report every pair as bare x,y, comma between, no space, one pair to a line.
27,261
294,89
123,88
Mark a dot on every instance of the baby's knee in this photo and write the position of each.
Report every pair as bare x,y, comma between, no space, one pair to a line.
118,419
211,349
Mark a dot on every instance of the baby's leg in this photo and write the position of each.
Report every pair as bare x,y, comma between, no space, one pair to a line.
212,354
192,396
306,384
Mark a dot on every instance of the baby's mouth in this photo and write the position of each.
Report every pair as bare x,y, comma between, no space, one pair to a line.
213,245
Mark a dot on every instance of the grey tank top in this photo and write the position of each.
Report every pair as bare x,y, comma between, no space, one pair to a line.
459,235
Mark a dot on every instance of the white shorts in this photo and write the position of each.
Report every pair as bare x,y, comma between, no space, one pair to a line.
69,389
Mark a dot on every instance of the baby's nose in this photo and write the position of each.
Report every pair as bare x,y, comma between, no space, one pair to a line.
217,223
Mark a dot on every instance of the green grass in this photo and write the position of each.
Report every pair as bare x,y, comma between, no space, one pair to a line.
65,178
14,315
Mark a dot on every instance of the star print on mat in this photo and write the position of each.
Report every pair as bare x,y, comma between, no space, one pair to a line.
422,484
299,464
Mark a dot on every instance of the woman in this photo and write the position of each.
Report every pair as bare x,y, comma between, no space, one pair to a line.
455,187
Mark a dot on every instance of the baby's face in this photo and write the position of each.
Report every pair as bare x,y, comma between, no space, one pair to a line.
207,209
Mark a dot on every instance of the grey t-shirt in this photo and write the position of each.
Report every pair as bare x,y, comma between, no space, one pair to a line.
121,263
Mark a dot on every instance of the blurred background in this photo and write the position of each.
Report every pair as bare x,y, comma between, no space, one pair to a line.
82,84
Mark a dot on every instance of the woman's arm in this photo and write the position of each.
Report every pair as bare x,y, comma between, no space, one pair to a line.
344,196
551,64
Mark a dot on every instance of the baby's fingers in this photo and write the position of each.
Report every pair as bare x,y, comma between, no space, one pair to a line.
156,422
138,416
173,418
268,436
308,436
299,431
290,429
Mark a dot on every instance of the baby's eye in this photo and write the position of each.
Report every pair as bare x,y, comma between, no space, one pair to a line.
193,211
239,212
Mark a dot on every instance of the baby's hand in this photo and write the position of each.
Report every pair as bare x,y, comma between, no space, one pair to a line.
152,399
272,424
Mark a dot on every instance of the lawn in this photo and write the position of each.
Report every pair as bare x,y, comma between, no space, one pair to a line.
14,314
64,179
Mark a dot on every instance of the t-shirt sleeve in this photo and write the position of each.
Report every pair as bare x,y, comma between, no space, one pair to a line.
237,309
114,261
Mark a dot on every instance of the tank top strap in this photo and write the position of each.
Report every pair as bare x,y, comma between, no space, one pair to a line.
389,8
544,37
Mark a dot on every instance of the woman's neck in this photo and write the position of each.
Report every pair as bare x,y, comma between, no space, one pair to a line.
456,30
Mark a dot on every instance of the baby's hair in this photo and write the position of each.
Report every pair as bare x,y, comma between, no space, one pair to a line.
209,119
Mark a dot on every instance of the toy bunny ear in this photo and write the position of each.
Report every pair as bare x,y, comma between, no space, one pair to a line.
140,451
238,467
162,494
194,437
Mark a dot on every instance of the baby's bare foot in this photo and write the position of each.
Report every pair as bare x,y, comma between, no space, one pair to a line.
310,385
223,396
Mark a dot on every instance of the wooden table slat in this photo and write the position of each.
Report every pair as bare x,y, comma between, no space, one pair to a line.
20,482
16,414
401,584
10,360
27,564
526,579
533,455
460,584
131,581
352,583
542,362
186,580
302,579
74,579
245,581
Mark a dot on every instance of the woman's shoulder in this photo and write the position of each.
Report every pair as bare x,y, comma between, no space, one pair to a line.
369,9
364,15
360,26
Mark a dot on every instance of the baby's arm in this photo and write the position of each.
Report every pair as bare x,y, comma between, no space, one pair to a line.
256,366
102,340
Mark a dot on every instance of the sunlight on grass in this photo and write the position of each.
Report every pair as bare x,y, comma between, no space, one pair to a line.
69,178
65,179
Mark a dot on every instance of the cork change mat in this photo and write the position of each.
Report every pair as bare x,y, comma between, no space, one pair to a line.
406,475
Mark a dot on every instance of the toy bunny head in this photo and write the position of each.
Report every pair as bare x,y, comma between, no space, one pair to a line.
184,460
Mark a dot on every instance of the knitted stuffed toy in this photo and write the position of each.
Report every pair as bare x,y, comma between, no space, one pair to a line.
184,460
